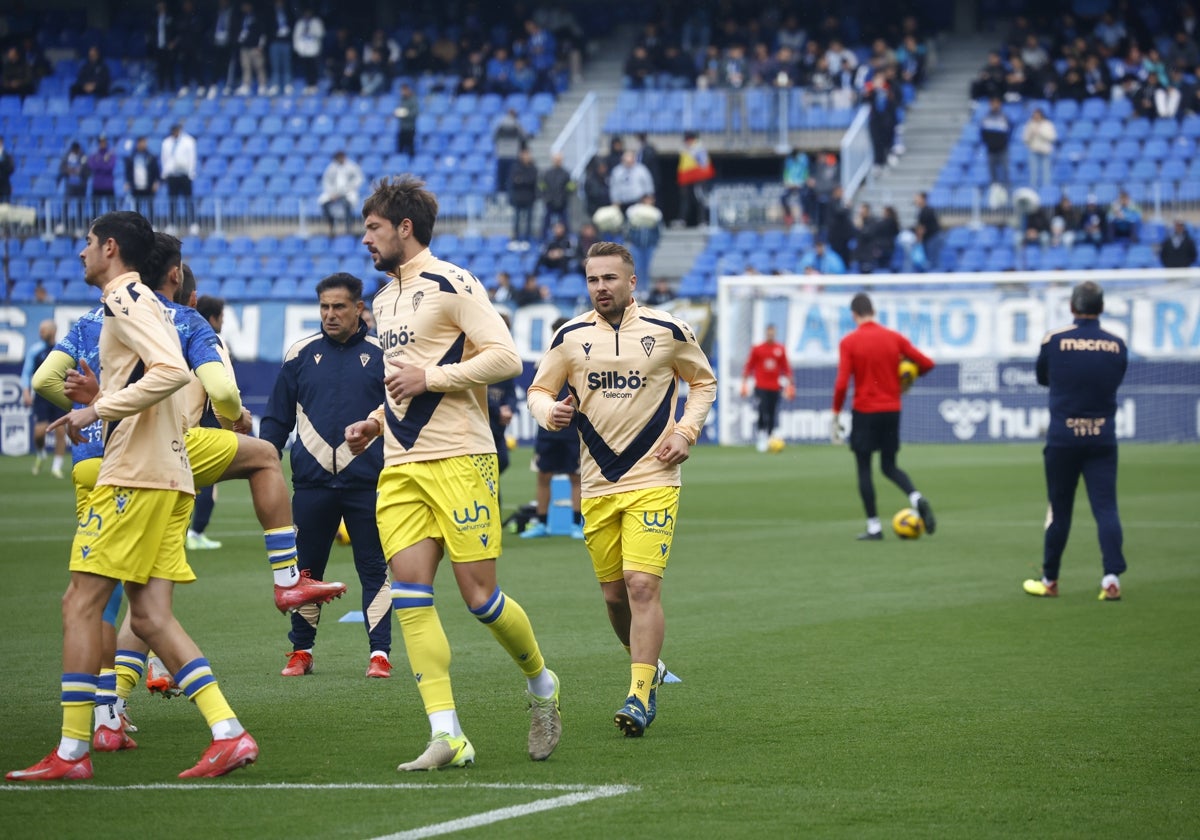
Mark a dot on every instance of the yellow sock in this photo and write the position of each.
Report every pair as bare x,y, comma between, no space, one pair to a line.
510,625
642,681
212,704
428,655
78,700
130,665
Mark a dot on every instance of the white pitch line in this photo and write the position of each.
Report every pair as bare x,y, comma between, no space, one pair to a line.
511,812
233,788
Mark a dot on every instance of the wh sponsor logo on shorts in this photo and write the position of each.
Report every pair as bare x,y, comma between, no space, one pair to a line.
658,522
467,516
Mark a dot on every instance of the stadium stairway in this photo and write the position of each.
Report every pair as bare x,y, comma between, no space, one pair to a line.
932,126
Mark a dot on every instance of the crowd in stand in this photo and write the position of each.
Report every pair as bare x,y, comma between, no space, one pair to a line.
1142,53
255,46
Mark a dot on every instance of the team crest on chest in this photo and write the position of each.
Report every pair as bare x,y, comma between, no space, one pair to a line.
416,299
647,344
364,358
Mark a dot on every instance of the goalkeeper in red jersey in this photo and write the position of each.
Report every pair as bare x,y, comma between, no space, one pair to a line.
768,365
871,354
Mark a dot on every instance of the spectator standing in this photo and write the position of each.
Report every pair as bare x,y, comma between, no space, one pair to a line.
102,163
280,49
340,185
595,187
406,113
73,173
191,49
508,138
142,177
7,167
928,231
798,192
326,381
179,171
882,119
164,43
995,132
630,182
307,40
1040,135
556,186
1179,249
643,231
223,44
251,44
647,156
522,194
93,78
1083,365
695,169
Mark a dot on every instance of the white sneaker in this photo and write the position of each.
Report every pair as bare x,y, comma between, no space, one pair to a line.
199,542
56,471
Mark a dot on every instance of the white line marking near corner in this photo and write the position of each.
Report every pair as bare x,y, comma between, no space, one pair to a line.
83,787
512,812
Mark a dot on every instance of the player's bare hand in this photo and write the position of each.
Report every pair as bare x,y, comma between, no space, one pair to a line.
403,381
75,422
506,415
563,412
745,390
27,398
244,425
789,393
81,386
359,435
674,451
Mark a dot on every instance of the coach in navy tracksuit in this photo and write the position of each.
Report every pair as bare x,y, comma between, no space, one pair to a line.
328,381
1084,366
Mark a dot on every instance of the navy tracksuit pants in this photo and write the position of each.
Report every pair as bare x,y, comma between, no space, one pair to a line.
317,512
1098,466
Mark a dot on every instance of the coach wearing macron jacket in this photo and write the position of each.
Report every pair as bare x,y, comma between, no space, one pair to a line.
328,381
1083,365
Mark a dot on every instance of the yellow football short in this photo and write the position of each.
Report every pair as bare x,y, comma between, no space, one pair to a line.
630,531
84,475
211,451
134,534
452,500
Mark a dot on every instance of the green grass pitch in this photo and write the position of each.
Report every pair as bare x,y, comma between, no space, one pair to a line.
830,688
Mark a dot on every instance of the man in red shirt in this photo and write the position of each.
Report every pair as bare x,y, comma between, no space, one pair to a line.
768,364
872,354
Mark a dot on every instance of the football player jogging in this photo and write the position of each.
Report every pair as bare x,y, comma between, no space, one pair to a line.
1083,365
214,455
327,381
138,513
769,368
622,364
44,411
871,354
443,344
